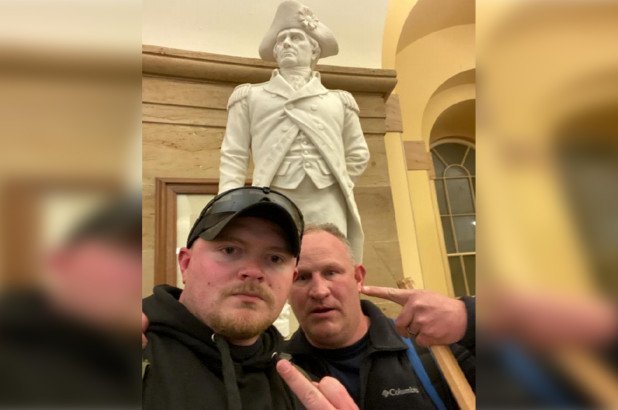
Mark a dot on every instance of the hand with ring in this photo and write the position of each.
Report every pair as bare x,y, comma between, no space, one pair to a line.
429,317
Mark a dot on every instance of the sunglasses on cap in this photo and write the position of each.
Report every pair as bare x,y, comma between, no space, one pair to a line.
251,201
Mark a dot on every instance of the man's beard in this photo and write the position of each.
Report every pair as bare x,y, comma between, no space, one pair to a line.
248,322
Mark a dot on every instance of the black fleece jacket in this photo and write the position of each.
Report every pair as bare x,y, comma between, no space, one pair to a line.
190,367
386,375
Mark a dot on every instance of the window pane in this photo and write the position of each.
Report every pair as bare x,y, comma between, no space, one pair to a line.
465,232
470,162
458,191
470,266
448,235
452,153
456,171
457,276
438,165
441,197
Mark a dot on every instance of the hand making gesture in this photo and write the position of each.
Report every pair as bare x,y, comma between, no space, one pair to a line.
429,317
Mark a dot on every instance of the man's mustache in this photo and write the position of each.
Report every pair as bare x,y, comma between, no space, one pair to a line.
251,288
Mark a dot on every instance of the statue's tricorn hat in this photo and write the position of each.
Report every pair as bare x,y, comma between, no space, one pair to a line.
292,14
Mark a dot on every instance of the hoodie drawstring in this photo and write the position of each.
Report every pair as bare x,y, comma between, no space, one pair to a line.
229,375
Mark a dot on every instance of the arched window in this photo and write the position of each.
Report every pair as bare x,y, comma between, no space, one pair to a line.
454,164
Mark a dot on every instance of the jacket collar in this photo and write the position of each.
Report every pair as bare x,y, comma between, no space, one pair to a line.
278,85
382,334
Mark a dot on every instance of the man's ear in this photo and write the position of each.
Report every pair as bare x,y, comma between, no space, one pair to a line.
359,276
315,55
315,52
184,257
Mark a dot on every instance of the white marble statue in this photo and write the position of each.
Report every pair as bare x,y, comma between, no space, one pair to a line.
306,140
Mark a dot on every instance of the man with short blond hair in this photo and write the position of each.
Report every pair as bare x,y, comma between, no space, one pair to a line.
352,340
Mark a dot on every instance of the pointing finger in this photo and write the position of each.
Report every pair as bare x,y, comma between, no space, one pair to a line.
399,296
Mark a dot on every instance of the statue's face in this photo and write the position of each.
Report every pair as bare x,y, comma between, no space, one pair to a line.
293,49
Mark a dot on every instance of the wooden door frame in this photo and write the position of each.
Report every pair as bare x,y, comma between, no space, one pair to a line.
167,191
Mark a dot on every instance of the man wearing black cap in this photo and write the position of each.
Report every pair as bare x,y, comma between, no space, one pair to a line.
212,345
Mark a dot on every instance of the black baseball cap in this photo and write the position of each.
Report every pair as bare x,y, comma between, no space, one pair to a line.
261,202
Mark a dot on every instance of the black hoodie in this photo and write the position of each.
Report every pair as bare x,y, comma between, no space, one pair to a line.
191,367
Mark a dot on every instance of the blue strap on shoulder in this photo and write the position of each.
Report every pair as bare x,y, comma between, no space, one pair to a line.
532,376
418,368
